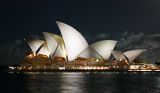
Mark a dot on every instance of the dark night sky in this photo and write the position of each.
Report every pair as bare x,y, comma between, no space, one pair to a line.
21,18
102,19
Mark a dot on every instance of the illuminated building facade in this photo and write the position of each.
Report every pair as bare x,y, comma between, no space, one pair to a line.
72,51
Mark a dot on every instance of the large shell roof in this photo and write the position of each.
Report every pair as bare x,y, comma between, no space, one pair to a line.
51,43
60,50
44,50
130,55
35,44
58,39
75,43
104,47
90,53
133,54
118,55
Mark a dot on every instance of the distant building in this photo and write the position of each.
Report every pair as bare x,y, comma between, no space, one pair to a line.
72,51
71,45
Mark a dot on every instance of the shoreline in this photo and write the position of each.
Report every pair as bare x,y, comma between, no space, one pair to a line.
69,70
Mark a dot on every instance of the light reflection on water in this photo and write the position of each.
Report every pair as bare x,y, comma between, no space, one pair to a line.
80,82
72,82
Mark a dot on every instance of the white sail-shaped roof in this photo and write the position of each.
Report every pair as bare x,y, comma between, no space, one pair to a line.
75,43
118,55
44,50
58,39
60,51
90,53
104,48
35,44
133,54
51,43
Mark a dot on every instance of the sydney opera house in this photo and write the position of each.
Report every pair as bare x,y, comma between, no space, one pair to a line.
71,51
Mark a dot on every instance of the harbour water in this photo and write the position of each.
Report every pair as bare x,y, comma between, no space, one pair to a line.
80,82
